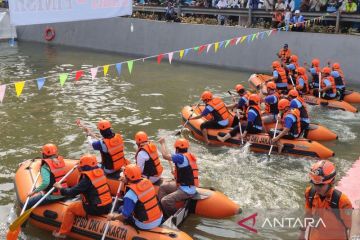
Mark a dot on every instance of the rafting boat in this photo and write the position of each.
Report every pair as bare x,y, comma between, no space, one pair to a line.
256,81
207,203
259,142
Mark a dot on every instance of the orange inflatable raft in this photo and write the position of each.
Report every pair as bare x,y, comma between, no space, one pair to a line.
49,216
256,81
259,142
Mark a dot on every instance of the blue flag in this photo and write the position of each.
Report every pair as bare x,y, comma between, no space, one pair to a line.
118,68
40,83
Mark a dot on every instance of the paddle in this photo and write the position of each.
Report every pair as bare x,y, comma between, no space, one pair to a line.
238,115
86,129
13,235
23,217
112,209
319,83
292,81
272,145
182,128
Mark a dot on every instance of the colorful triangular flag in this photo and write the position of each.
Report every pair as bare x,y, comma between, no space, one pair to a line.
227,43
262,35
186,51
233,41
170,55
249,38
93,72
118,68
216,46
238,40
243,39
196,48
40,82
63,77
253,37
2,92
19,86
130,65
181,54
208,47
201,49
221,44
79,74
159,57
106,69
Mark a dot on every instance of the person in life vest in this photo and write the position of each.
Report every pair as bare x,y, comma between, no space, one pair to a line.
254,121
186,176
147,158
315,71
271,103
217,108
291,68
279,77
302,82
290,119
243,101
323,201
111,148
296,102
284,54
328,87
52,170
141,208
338,76
94,190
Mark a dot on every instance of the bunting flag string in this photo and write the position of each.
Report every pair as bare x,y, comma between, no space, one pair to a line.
19,86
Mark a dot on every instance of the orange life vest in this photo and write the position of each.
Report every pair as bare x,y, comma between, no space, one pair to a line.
58,171
273,108
284,54
115,148
332,209
296,128
147,207
304,89
282,75
219,106
152,166
100,195
188,176
332,82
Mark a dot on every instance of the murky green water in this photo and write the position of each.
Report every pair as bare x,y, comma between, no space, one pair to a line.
150,99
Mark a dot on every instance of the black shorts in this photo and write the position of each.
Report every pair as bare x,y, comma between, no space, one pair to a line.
212,124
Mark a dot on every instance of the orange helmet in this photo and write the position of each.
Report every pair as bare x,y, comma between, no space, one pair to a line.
103,125
326,70
271,85
239,87
315,62
206,96
132,172
301,70
336,66
276,64
293,93
254,98
49,149
141,137
294,58
88,160
283,103
322,172
181,143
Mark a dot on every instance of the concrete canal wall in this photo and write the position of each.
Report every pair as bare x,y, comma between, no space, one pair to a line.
153,37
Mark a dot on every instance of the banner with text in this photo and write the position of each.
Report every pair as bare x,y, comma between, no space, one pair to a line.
28,12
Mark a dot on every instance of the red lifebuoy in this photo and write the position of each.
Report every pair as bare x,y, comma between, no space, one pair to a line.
49,33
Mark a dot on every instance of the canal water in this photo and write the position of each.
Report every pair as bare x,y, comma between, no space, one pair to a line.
149,99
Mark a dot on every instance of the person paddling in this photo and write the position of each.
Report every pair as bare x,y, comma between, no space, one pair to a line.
111,148
95,192
296,102
52,170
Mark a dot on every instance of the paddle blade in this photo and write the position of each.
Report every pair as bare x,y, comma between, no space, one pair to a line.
13,235
20,220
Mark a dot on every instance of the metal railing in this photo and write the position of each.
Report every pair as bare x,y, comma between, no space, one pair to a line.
254,13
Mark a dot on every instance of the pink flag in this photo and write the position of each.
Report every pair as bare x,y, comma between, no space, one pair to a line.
170,55
93,72
2,92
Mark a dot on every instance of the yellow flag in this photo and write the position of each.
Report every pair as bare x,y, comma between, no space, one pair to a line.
216,46
106,69
243,39
181,54
19,86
